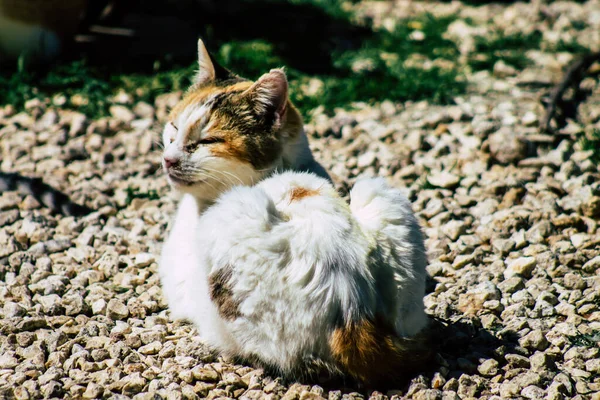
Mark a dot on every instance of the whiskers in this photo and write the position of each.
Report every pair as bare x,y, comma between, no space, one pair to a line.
227,175
208,175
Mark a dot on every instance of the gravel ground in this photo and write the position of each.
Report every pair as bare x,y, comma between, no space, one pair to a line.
511,218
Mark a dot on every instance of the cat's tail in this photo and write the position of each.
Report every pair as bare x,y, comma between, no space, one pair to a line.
55,200
385,215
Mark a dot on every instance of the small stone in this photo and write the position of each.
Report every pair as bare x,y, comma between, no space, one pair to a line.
574,281
116,309
205,374
366,159
509,390
12,310
462,260
443,179
540,361
517,360
532,392
534,340
503,70
527,378
151,348
593,366
530,119
143,259
592,265
488,367
521,266
468,386
8,360
454,229
51,304
134,383
591,207
122,114
506,148
99,307
511,285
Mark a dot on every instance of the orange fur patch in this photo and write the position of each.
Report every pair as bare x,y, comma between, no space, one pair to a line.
372,353
233,147
299,193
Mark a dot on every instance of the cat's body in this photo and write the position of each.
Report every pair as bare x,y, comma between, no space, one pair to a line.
287,274
275,267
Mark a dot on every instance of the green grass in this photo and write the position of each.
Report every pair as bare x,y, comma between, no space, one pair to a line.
508,48
87,89
134,193
569,47
374,72
585,340
592,142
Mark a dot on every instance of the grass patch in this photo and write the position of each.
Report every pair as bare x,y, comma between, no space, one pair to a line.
585,340
591,142
508,48
375,72
569,47
86,88
134,193
384,67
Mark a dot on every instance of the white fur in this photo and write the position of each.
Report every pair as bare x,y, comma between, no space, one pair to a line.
299,267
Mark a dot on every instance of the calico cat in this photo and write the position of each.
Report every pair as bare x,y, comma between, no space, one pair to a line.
54,199
274,267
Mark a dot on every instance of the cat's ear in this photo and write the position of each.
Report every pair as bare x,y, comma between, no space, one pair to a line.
206,69
270,93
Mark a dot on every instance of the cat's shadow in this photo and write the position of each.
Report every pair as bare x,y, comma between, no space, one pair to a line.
459,347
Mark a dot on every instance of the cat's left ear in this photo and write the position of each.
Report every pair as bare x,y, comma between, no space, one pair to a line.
206,69
270,93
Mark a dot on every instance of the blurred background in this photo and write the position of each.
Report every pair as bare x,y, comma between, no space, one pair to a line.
336,52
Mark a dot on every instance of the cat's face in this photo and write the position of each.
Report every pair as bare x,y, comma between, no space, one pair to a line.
225,132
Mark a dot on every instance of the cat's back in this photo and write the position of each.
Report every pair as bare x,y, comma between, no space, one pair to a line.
285,262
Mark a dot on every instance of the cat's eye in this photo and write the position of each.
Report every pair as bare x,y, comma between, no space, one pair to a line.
210,140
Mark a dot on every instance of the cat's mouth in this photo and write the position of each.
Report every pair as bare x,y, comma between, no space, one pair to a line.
179,181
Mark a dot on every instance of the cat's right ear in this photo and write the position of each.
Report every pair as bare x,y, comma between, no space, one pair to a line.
206,69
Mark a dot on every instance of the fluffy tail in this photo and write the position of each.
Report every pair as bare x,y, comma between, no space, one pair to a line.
55,200
386,216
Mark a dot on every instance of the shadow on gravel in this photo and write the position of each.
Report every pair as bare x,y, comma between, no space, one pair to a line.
459,346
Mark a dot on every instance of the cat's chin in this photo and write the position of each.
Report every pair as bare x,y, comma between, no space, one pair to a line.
177,183
200,190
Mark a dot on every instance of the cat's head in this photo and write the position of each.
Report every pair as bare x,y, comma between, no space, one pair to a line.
227,130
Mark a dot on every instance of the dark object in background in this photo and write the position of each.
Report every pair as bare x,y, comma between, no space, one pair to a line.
37,29
141,32
558,108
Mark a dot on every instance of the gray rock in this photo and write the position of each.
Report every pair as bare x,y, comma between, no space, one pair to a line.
488,368
116,309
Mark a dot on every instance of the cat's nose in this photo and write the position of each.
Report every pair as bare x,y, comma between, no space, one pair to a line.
170,162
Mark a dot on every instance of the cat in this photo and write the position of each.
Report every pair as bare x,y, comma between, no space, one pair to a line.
45,194
274,267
